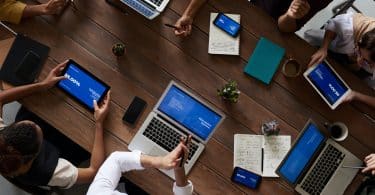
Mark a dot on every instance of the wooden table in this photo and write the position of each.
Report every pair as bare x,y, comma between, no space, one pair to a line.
155,56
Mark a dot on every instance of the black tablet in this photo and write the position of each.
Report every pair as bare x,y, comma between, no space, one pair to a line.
81,85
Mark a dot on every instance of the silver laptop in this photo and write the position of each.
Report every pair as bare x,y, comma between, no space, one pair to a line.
148,8
177,113
314,164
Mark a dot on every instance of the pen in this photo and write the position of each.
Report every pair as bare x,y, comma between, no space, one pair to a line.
183,153
171,26
352,167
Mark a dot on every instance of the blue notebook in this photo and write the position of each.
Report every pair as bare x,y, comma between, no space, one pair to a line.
265,60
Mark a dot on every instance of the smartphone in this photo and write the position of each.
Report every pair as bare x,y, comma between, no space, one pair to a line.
134,110
227,24
27,68
246,178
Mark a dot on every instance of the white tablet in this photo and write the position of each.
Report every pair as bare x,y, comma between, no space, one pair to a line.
327,83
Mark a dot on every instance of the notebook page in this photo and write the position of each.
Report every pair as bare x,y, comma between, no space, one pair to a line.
275,149
248,152
220,42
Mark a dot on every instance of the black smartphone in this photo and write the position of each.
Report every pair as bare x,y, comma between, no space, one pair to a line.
246,178
27,68
227,24
134,110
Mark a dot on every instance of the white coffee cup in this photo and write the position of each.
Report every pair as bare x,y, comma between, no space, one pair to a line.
338,130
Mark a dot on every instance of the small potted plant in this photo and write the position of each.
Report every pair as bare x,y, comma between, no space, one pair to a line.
229,92
118,49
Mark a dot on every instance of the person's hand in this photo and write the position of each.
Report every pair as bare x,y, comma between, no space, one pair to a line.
370,164
350,97
183,26
54,6
54,76
298,9
173,159
318,57
101,110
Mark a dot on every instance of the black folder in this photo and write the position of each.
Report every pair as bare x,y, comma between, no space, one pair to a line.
24,61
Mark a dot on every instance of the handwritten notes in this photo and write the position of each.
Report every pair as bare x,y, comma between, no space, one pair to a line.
221,43
248,152
245,158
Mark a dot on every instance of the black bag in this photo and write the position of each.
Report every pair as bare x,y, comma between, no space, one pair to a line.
367,187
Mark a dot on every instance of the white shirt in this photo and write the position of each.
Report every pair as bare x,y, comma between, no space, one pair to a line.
342,25
109,174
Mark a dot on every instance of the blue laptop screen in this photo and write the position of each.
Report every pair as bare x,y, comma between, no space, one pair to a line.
189,112
301,153
326,81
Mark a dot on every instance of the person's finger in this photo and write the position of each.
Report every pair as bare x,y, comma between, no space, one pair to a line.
373,172
369,157
96,107
60,78
189,29
370,161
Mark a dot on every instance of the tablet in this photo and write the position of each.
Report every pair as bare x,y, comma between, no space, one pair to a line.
82,86
327,83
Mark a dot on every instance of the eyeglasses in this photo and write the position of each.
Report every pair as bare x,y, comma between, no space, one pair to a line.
358,54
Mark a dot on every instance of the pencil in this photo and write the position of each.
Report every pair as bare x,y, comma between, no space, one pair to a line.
171,26
183,153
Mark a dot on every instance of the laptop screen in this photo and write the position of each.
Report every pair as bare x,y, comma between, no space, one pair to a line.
189,112
327,82
301,153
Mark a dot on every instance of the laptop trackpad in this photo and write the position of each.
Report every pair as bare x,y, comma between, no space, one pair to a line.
338,183
156,151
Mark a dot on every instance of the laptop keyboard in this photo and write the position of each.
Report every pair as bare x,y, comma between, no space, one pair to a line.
157,2
139,7
166,137
323,170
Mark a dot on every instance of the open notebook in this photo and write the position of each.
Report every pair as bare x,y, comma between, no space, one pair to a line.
220,42
260,154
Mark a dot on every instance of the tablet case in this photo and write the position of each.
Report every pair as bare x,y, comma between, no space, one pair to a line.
264,60
21,46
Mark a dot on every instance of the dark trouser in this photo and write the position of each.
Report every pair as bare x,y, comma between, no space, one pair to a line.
67,148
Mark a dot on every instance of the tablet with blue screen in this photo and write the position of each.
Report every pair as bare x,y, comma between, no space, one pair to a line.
327,83
82,86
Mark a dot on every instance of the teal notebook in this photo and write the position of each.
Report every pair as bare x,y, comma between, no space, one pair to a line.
265,60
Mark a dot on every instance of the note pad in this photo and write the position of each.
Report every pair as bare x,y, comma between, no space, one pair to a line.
265,60
220,42
260,154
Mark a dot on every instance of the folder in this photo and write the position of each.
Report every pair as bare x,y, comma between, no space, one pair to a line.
13,65
264,60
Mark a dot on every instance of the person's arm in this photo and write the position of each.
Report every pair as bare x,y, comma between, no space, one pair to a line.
184,23
86,175
321,54
17,93
297,10
49,8
369,100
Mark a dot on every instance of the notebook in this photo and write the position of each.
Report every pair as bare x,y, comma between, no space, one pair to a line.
265,60
220,42
260,154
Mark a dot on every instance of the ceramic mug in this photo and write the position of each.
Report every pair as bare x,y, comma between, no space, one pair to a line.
338,130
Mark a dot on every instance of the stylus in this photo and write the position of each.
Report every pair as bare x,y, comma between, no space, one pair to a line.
183,153
171,26
352,167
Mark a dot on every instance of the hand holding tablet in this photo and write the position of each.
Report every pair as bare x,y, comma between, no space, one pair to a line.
327,83
82,85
